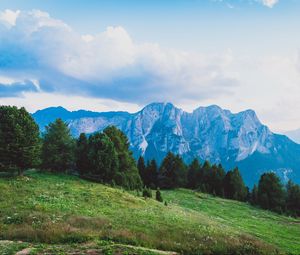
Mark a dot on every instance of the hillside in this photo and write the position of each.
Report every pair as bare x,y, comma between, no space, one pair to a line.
208,133
61,213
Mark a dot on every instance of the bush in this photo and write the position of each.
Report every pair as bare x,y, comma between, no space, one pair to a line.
158,195
147,193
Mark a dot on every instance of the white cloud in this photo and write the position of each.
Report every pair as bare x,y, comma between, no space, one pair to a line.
269,3
8,17
108,65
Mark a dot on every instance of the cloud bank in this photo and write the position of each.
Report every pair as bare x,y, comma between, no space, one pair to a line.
43,54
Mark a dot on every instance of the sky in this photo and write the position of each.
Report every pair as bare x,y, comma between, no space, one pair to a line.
107,55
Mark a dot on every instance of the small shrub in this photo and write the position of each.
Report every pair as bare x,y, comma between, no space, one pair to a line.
158,195
14,219
147,193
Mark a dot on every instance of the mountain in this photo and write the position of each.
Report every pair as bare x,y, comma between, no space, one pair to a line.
210,133
294,135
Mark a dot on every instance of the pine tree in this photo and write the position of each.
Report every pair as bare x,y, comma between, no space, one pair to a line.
142,169
19,140
151,174
293,199
270,193
254,199
234,186
193,174
127,175
103,158
172,173
58,147
82,151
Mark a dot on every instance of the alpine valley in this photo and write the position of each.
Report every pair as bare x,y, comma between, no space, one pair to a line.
208,133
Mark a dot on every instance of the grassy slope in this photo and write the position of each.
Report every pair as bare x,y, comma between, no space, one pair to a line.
275,229
45,208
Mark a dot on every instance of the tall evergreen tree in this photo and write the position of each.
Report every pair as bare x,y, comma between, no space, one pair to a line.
151,174
254,195
19,139
234,186
103,158
193,174
172,173
216,179
270,193
142,169
128,175
58,147
293,199
82,151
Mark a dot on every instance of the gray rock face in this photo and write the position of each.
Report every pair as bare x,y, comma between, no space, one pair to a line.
208,133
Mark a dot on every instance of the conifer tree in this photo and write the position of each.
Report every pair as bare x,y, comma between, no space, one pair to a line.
19,140
293,199
234,186
127,175
103,158
58,147
82,151
172,173
270,193
142,169
193,174
151,174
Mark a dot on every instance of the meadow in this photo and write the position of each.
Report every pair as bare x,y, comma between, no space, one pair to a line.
62,214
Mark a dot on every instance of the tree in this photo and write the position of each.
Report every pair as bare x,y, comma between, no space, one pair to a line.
158,195
58,147
127,175
270,193
172,173
103,158
216,179
253,197
82,151
193,174
142,169
151,174
234,186
293,199
19,139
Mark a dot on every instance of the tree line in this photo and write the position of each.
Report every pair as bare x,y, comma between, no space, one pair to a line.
105,157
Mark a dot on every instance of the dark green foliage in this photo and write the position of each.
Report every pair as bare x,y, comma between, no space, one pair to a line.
102,157
270,192
293,199
127,175
19,140
158,196
82,150
142,169
234,186
172,172
193,174
147,193
254,194
151,174
58,147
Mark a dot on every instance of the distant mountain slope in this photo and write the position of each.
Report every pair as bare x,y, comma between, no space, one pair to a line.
207,133
294,135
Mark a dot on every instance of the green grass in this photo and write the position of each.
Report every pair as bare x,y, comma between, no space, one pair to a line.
281,231
58,212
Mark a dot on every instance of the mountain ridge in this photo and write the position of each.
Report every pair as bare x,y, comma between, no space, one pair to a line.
208,133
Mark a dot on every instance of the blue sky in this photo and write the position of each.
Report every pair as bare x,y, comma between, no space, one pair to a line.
112,55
